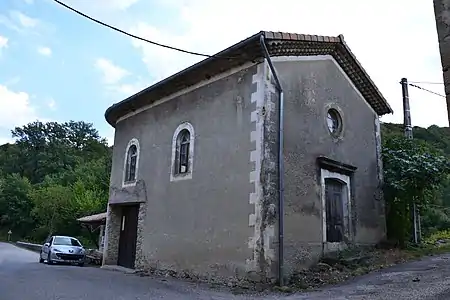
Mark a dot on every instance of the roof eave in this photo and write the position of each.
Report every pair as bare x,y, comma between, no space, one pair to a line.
110,110
112,114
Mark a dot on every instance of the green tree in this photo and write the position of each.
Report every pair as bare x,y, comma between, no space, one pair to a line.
54,209
15,204
413,173
50,148
61,169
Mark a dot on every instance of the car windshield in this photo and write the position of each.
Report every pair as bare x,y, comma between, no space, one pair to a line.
65,241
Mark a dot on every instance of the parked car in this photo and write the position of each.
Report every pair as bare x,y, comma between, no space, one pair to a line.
62,249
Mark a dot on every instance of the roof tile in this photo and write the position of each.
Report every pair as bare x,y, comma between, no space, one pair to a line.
269,34
278,35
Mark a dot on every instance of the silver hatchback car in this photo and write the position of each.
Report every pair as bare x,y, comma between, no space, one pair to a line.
62,249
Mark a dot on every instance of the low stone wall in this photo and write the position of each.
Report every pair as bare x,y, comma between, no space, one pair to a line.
94,257
29,246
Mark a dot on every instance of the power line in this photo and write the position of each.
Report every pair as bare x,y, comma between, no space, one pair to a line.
425,82
135,36
426,90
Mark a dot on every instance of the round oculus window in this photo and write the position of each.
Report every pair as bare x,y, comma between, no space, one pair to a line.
334,122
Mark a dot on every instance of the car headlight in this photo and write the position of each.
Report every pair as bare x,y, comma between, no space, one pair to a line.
56,250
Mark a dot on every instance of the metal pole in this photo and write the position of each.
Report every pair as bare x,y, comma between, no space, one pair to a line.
409,135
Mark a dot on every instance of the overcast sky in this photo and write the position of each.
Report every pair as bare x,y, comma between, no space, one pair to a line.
55,65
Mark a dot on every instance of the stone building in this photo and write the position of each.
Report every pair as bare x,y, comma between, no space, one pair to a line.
200,183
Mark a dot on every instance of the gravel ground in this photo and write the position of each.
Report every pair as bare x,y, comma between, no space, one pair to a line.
426,279
22,277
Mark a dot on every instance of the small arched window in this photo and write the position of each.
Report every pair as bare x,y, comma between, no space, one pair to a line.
131,164
182,152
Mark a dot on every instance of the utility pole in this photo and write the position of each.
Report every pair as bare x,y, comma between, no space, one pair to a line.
409,135
441,13
406,109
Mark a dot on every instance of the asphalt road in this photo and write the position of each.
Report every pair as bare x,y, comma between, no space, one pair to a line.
22,277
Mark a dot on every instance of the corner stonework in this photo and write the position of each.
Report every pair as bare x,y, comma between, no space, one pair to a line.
379,194
260,242
269,176
112,232
140,262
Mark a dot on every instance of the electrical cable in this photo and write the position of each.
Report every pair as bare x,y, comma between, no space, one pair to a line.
426,90
137,37
425,82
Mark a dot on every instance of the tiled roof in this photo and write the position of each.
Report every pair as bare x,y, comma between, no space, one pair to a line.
278,44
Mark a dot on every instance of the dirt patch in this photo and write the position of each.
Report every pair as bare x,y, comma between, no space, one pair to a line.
342,266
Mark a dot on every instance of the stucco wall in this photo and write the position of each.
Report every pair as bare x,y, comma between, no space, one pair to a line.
311,86
200,224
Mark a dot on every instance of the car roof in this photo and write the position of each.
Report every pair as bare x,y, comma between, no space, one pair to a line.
65,236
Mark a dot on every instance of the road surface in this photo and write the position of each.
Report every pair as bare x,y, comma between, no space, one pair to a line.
22,277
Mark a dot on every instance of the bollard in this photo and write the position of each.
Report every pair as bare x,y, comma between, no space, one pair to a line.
9,235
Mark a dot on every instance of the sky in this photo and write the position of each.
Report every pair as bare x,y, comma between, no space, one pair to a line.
58,66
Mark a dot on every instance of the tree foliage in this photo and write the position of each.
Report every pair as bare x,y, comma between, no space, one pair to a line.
15,203
53,174
415,171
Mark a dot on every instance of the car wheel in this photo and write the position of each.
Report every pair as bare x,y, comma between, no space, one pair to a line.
49,261
41,260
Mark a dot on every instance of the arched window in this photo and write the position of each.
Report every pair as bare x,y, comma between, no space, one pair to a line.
182,152
131,162
182,162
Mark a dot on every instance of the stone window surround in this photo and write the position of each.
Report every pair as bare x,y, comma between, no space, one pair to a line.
135,142
324,174
334,107
188,175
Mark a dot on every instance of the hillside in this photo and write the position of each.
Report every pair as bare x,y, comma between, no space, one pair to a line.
438,137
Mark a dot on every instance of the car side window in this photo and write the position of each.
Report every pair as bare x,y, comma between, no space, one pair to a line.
74,242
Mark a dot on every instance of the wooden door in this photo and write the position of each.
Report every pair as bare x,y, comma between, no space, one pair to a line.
334,210
128,236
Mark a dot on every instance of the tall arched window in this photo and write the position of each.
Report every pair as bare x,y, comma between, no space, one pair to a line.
131,163
182,152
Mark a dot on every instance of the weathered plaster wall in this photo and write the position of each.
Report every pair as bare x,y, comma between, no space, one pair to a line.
311,86
202,224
